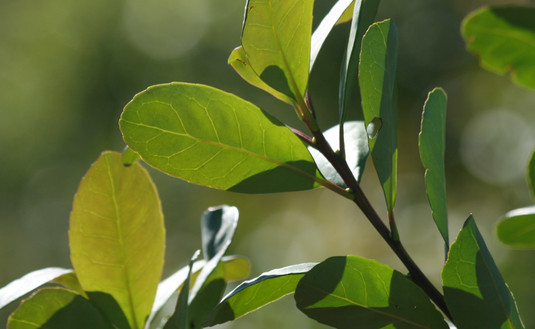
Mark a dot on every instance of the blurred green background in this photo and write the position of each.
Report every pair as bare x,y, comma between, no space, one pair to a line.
68,68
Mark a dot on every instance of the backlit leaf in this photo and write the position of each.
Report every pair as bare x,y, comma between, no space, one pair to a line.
518,228
474,289
432,143
377,72
260,291
57,308
504,39
117,238
209,137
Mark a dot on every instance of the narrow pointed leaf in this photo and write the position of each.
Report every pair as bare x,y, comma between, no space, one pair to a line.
212,138
518,228
57,308
117,238
343,291
260,291
432,143
377,72
531,175
347,15
363,16
27,283
474,289
504,39
276,38
356,151
239,62
324,28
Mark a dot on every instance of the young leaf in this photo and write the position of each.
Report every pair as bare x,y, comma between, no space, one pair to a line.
260,291
474,289
276,38
504,38
239,62
343,291
356,151
117,238
432,142
518,228
209,137
531,175
363,16
20,287
325,27
57,308
377,71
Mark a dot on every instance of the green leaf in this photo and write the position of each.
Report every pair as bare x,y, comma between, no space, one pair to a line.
57,308
504,39
474,289
432,143
377,71
363,16
129,156
531,175
117,238
20,287
260,291
344,291
71,282
209,137
518,228
239,62
207,297
236,268
347,15
356,151
325,27
276,38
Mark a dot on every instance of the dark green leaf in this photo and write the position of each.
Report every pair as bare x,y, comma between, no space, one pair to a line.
213,138
474,289
504,38
377,71
344,291
276,38
432,142
356,151
207,297
325,27
117,239
262,290
531,175
20,287
518,228
57,308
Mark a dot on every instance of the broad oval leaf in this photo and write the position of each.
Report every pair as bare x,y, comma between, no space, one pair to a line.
474,289
57,308
531,175
377,72
117,238
276,38
356,151
344,291
209,137
504,38
432,143
30,281
518,228
260,291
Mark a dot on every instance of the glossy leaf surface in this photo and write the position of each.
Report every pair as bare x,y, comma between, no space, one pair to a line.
377,72
239,62
504,39
212,138
117,238
57,308
356,151
432,143
262,290
474,289
25,284
518,228
276,38
344,291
